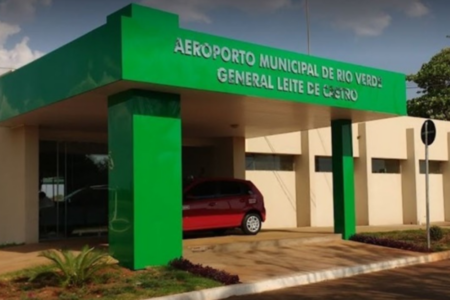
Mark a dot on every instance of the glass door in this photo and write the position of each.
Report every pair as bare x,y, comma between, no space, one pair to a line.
73,195
87,189
52,190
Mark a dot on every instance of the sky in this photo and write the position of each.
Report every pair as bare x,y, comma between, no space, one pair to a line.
396,35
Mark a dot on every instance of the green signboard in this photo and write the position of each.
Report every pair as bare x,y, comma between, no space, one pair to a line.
146,45
160,52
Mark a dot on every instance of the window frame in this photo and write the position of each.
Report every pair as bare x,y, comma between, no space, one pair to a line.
276,162
388,170
317,164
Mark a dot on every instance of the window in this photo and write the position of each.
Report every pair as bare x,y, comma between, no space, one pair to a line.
233,188
99,197
204,190
90,197
269,162
434,167
385,166
79,198
323,164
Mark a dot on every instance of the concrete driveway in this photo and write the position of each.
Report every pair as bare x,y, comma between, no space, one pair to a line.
20,257
271,253
261,264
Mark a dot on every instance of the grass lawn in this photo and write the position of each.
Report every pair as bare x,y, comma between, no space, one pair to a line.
418,237
113,282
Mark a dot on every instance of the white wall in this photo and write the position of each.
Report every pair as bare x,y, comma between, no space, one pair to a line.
436,198
385,205
288,143
322,200
278,189
387,138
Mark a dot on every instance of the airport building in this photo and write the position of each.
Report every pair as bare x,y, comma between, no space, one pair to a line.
138,104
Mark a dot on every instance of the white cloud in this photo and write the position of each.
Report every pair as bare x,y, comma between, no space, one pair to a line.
414,8
194,10
7,30
19,55
365,17
198,10
12,14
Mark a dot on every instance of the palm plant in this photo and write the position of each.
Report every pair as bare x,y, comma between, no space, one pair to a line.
77,270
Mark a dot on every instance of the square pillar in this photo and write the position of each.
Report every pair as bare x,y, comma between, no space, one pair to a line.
343,178
19,203
145,196
304,182
363,172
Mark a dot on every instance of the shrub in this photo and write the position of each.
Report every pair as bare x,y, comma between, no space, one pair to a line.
436,233
367,239
205,271
76,270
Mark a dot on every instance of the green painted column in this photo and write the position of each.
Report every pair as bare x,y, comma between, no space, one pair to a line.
145,212
343,178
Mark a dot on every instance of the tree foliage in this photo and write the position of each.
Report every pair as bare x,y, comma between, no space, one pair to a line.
433,80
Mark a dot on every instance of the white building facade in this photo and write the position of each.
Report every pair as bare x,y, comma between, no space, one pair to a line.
294,173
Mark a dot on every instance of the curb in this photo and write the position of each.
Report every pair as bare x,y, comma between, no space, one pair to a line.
299,279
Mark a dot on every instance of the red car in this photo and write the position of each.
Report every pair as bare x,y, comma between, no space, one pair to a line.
208,204
221,204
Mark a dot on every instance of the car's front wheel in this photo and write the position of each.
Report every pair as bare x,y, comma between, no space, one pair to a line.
251,224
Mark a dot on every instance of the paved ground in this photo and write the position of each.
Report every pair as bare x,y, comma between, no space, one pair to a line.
256,261
423,282
200,239
17,258
260,264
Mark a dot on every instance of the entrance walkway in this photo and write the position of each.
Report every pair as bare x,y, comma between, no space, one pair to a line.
261,264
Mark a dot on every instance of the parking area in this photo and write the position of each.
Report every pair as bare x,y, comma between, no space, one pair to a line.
268,254
19,257
254,264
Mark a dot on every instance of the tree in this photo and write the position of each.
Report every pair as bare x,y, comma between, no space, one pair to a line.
433,80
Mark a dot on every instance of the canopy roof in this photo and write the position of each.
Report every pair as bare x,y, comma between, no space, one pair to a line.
227,87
